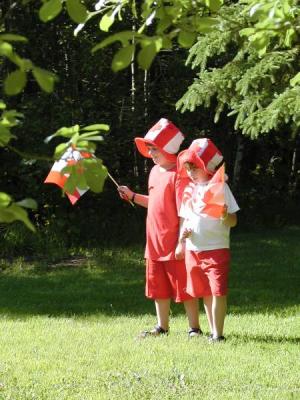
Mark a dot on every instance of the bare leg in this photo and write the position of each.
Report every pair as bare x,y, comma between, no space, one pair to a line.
162,312
192,312
207,302
219,308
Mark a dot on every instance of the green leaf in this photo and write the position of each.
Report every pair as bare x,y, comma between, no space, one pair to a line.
247,31
5,199
49,10
294,81
91,138
6,215
260,42
95,173
214,5
124,37
28,203
15,82
22,63
84,145
133,9
285,7
106,21
123,58
60,149
289,37
2,105
81,182
163,24
45,79
77,11
72,180
167,43
11,37
5,136
101,127
13,213
150,47
206,24
10,118
67,132
6,49
146,56
74,139
186,39
88,134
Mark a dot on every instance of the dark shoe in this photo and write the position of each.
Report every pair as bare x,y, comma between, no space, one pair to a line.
156,331
218,339
194,332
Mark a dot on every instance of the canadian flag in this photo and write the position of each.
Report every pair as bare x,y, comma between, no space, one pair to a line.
70,157
214,197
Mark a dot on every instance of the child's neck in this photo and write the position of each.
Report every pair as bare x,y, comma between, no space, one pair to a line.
166,167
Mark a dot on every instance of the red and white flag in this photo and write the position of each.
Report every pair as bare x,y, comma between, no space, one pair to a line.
214,197
70,157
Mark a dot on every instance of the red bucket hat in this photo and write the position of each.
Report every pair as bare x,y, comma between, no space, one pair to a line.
165,136
203,153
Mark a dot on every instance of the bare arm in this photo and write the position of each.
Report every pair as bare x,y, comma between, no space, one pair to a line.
141,200
183,234
128,194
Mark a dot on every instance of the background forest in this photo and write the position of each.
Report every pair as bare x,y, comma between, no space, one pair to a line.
263,170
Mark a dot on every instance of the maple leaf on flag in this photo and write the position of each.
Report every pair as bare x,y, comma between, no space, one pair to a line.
214,197
60,177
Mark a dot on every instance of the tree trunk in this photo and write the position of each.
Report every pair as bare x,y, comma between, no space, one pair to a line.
238,161
294,176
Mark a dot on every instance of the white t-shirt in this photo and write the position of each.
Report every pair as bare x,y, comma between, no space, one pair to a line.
208,233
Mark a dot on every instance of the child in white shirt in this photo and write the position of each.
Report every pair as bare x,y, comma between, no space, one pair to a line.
205,231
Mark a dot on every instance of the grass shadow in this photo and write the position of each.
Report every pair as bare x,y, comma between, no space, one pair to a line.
264,278
109,284
244,338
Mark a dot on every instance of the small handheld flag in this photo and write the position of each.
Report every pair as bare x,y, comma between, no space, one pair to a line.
70,157
214,197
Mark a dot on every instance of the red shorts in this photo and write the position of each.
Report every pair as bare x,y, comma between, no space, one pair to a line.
207,272
166,280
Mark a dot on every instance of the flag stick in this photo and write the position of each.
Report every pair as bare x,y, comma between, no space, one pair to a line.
114,181
117,185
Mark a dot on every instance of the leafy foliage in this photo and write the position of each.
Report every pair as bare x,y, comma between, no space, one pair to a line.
94,172
259,88
16,80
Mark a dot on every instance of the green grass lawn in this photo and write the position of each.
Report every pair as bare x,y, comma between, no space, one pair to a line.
68,330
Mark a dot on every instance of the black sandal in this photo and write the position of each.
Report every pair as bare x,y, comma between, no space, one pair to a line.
218,339
194,332
156,331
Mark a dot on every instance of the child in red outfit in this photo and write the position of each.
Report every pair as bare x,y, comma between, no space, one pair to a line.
165,276
205,231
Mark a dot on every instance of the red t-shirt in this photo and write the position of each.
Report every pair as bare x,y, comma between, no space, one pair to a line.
162,227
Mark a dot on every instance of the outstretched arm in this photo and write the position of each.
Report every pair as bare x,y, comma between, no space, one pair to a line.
128,194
